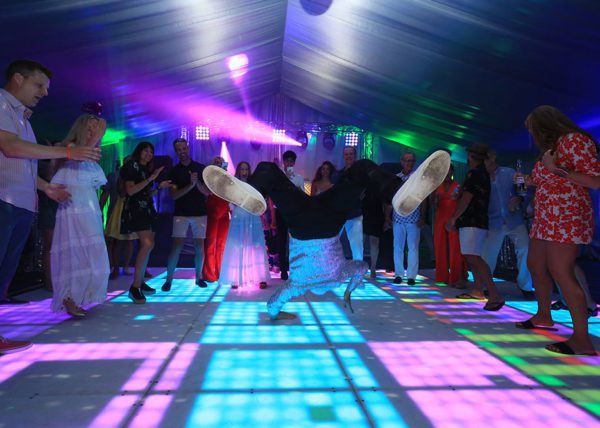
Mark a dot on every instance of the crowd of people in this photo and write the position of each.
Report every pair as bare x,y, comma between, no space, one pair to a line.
236,221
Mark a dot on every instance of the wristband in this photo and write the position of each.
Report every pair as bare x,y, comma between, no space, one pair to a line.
69,157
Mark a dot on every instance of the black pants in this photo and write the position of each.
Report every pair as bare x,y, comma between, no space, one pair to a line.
323,215
283,249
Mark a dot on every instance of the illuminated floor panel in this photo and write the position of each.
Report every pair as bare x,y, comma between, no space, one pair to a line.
369,292
454,363
293,409
500,408
262,335
408,356
273,369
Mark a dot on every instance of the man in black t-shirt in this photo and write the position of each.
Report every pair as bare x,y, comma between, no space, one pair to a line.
471,220
189,192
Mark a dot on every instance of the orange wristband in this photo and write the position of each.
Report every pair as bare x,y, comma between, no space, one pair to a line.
69,152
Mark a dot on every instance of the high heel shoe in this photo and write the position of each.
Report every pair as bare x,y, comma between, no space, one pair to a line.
347,300
72,309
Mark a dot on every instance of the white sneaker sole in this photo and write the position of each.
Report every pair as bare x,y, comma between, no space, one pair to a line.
421,183
227,187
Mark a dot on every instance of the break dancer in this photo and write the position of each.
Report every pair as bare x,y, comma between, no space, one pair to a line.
315,222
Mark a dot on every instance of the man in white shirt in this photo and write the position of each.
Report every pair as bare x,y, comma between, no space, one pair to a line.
27,82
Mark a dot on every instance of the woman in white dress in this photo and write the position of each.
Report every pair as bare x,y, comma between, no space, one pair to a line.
245,260
79,260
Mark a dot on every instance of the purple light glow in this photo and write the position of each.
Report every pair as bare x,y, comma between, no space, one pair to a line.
443,363
500,408
151,413
115,411
238,65
238,125
153,356
174,373
26,321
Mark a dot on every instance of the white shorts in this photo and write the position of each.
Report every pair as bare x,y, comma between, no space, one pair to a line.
181,224
472,240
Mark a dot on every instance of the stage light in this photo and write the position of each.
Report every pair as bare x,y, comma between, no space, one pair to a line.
329,141
183,133
351,139
202,133
278,135
238,65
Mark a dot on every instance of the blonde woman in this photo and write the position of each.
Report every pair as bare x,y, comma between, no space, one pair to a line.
78,254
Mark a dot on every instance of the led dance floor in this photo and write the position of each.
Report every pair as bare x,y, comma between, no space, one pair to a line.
410,356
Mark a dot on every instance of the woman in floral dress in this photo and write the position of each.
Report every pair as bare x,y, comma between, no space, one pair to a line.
563,220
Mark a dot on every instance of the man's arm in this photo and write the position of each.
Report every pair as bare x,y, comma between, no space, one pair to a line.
55,192
463,203
177,193
13,147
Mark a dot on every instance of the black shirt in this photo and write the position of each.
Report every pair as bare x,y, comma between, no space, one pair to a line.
193,203
477,183
138,210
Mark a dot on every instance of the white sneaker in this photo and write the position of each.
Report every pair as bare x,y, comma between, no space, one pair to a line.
421,183
233,190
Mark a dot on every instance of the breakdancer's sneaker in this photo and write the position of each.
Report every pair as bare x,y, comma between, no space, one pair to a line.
421,183
233,190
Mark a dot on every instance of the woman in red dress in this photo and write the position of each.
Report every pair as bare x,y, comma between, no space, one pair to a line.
563,219
450,265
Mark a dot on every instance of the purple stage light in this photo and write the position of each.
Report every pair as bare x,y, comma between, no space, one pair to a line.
238,65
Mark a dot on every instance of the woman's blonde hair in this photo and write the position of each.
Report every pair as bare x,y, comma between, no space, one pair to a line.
78,132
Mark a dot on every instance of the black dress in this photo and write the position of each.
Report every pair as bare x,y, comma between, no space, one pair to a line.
138,212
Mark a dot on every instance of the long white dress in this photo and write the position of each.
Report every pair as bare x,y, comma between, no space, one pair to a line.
79,259
245,261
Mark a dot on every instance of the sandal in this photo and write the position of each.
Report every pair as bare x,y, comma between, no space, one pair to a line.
564,348
493,306
468,296
558,305
72,309
529,325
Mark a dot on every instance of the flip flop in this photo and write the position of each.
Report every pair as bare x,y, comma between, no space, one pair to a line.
468,296
529,325
563,348
493,306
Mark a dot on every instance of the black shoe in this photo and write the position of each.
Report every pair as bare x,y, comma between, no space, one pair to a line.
284,275
262,285
410,281
136,295
147,289
398,280
558,305
529,295
592,312
166,286
201,283
234,286
13,301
